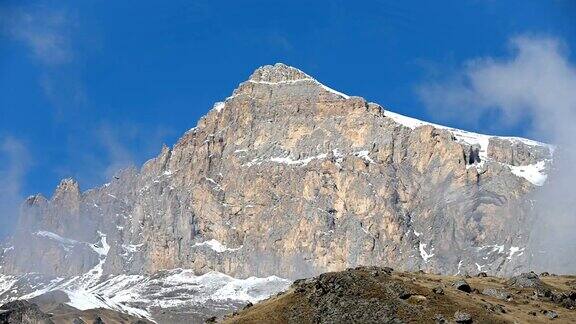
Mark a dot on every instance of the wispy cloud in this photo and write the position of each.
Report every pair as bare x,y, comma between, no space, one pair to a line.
536,83
278,40
15,162
43,30
119,156
47,34
113,147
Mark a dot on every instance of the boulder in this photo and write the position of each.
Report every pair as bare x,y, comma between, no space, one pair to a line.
497,293
462,285
525,280
462,317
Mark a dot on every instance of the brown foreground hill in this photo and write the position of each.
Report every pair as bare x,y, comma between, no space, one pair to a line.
381,295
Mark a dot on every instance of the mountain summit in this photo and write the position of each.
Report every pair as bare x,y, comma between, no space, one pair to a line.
290,178
277,73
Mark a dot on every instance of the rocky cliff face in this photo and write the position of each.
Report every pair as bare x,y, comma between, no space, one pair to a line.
288,177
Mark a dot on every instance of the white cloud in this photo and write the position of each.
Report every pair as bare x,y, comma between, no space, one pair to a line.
119,156
536,83
15,162
48,36
113,147
44,31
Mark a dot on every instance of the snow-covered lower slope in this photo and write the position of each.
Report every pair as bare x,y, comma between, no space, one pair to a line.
141,295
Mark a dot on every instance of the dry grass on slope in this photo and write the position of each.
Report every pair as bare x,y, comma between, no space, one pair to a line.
380,295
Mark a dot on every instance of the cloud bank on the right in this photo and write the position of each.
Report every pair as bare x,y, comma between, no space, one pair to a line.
534,87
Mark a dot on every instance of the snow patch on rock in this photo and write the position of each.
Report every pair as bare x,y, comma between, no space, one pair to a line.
513,250
66,243
307,78
287,160
219,106
217,246
425,255
535,173
365,155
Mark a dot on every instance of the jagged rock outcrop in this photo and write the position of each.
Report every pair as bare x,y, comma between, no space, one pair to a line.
288,177
23,312
516,152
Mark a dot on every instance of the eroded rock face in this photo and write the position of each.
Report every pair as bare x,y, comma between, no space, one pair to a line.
288,177
517,152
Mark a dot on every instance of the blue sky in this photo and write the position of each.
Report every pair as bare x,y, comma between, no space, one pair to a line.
87,87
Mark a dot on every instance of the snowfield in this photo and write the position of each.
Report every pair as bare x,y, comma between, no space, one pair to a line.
138,295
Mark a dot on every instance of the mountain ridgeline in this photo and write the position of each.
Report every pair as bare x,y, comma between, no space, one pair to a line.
288,177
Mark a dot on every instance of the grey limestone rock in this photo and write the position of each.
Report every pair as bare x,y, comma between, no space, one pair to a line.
515,152
496,293
525,280
462,317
